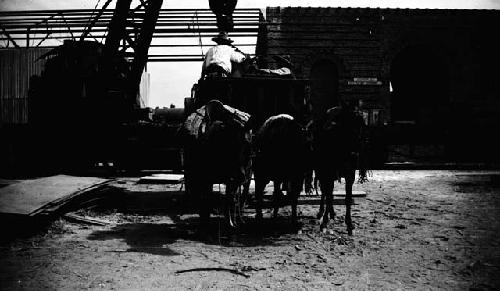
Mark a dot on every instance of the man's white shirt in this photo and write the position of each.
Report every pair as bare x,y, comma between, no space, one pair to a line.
222,55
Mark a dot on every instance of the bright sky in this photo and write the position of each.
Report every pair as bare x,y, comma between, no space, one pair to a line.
171,82
74,4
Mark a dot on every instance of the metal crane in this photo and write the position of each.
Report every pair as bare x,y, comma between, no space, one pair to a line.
223,9
117,33
89,90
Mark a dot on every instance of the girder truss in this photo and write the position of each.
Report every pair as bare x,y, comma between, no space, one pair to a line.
179,34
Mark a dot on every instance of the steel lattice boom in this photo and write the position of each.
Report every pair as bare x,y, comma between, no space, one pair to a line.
177,36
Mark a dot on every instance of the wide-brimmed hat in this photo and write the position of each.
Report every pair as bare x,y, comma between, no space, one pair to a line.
222,38
284,60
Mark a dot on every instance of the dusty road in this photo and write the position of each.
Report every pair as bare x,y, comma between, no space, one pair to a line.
414,230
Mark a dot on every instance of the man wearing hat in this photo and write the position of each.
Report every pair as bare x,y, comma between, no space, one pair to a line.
284,67
218,59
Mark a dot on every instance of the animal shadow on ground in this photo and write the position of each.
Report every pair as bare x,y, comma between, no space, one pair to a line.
474,183
155,238
21,227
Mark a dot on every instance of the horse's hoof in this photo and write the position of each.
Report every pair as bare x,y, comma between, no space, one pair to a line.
350,228
323,225
297,226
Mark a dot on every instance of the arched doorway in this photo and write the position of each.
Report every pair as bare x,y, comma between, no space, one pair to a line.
420,87
324,86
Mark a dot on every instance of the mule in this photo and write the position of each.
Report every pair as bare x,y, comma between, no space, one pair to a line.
281,155
249,65
219,153
338,142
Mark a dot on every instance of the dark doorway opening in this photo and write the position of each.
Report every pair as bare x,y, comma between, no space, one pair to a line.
420,87
324,86
420,104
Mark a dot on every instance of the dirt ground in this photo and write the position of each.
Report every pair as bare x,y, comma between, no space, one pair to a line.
418,230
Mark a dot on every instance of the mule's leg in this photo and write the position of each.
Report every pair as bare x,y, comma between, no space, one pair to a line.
204,190
295,187
260,185
323,195
231,189
321,205
326,186
277,197
245,193
349,181
278,187
315,185
308,182
329,204
243,198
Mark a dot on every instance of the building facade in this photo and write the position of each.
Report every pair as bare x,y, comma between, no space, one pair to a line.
424,76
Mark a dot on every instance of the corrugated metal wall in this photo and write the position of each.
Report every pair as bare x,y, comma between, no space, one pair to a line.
16,68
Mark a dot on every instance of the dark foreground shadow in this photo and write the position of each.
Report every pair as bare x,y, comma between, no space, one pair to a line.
154,238
15,227
477,183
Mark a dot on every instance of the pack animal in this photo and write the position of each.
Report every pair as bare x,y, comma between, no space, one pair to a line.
281,155
249,65
220,154
338,143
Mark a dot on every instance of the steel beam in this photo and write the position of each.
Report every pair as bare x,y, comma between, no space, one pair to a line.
94,20
117,26
43,26
142,43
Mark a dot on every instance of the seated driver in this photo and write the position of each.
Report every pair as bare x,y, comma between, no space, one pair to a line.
218,59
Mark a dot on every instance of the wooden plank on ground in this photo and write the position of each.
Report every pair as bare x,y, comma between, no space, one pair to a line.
87,220
162,179
77,200
28,196
270,203
358,194
317,201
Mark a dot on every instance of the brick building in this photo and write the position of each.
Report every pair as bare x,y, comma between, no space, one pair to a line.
424,76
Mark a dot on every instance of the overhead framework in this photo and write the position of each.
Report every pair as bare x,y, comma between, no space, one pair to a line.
177,36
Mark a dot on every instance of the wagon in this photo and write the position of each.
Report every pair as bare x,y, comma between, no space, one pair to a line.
260,96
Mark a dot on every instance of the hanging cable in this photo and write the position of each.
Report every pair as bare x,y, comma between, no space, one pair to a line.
95,19
92,14
200,42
